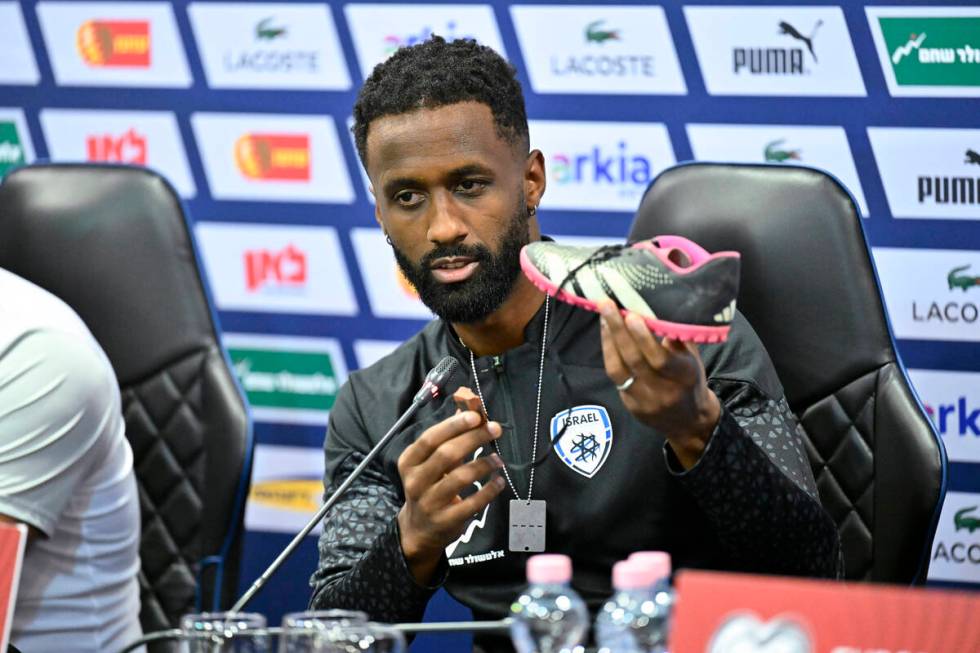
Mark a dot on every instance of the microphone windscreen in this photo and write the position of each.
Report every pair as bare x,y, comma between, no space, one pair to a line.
442,372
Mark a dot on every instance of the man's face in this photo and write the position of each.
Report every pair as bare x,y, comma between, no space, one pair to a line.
453,197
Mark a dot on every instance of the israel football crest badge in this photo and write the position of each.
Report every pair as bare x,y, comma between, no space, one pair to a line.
587,438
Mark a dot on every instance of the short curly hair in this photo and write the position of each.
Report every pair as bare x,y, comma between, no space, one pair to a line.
437,73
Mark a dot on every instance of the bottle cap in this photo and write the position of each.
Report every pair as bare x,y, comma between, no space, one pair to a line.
656,563
630,575
549,568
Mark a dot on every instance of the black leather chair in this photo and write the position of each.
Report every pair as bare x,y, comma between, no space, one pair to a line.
810,289
114,243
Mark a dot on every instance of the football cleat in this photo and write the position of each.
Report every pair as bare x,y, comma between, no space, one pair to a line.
679,289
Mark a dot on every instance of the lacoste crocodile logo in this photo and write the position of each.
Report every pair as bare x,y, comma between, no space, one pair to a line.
789,30
264,31
593,33
963,281
964,521
972,156
775,154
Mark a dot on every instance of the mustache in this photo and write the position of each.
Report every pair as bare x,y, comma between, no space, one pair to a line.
477,252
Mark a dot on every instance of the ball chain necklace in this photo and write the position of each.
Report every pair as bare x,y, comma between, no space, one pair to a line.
526,532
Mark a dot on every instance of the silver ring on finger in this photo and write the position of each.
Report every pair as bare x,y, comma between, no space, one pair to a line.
625,385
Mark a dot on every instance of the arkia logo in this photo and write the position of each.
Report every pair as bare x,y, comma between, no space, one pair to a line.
393,41
594,33
777,60
128,148
776,153
274,157
963,520
283,270
621,168
267,31
11,149
955,419
943,189
115,43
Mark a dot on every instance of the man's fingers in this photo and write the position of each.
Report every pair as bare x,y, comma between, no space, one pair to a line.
653,352
474,503
449,455
444,491
420,450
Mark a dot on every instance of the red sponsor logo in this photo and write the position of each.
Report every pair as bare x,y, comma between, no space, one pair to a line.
279,157
285,269
115,43
128,148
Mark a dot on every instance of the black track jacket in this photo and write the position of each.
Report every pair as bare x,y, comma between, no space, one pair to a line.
749,504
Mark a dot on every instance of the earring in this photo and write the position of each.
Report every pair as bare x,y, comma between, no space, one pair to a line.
387,238
532,211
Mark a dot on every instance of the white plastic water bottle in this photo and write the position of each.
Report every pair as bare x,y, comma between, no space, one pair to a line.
617,622
549,616
652,633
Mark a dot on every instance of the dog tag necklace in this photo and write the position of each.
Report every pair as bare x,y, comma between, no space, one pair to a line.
526,532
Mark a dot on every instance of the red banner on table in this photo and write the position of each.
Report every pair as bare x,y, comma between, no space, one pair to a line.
734,613
12,540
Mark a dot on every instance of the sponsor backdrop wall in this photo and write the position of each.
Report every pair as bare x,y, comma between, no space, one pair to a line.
245,108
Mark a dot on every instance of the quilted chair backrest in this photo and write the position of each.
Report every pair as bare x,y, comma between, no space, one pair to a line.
113,243
810,290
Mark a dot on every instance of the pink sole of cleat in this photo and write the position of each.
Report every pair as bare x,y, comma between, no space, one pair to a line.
663,328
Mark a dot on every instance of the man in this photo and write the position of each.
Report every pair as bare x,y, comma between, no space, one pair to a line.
704,460
66,471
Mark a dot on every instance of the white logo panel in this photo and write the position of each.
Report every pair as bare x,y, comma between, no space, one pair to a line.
821,147
146,138
600,165
286,46
775,51
272,157
114,44
952,400
286,488
929,173
598,49
276,268
956,547
369,352
379,29
586,438
16,52
931,294
388,291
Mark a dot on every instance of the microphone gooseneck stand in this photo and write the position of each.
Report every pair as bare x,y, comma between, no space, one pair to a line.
433,386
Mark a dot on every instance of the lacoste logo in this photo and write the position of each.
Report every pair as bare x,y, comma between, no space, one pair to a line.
964,521
963,281
775,154
265,31
594,33
905,50
972,156
789,30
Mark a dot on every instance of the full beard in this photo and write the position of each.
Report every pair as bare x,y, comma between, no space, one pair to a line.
477,297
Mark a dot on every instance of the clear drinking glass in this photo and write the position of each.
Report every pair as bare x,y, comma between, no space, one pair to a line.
337,631
225,632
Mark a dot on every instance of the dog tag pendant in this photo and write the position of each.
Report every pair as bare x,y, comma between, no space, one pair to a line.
527,525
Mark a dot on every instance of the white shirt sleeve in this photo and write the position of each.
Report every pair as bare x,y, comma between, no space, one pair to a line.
56,396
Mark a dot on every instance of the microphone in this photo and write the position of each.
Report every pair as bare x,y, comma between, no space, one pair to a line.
432,387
